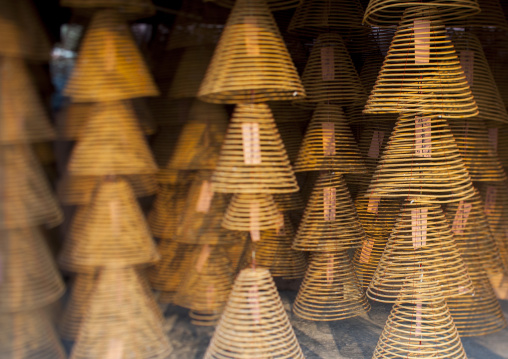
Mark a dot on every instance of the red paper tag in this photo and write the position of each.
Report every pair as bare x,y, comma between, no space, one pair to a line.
205,197
419,227
254,221
467,63
251,143
373,204
203,257
375,144
493,138
422,137
418,329
328,129
254,302
327,64
115,349
329,270
490,199
422,41
329,203
460,219
252,36
366,250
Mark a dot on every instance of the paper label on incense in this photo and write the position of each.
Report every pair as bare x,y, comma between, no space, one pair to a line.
203,257
329,203
254,221
467,62
281,231
375,144
461,216
329,270
252,36
419,227
251,143
372,206
422,137
254,302
493,138
115,349
327,64
366,251
205,197
421,30
418,328
328,138
490,200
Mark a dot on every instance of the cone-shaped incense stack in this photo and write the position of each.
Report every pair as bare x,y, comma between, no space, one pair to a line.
422,71
120,320
330,75
330,289
238,71
130,8
110,231
421,159
419,325
30,278
253,158
251,212
491,16
110,66
254,322
330,221
329,143
112,144
421,242
388,12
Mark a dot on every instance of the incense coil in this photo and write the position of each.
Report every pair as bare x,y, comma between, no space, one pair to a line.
499,283
267,169
472,234
30,279
386,12
112,144
330,290
167,274
413,165
338,82
252,53
284,111
496,208
292,138
491,16
121,307
502,145
328,223
329,144
431,251
29,334
200,139
22,115
110,231
206,286
237,251
478,153
367,257
274,252
274,5
408,82
251,212
166,210
419,325
79,190
132,8
254,322
23,32
288,201
109,66
27,199
482,83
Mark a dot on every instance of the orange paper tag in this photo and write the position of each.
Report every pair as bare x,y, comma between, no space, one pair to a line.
329,270
205,197
327,64
366,250
490,199
329,200
422,137
375,144
373,204
254,302
419,227
252,36
254,221
328,129
422,41
467,63
493,138
203,257
115,349
460,219
251,143
418,329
